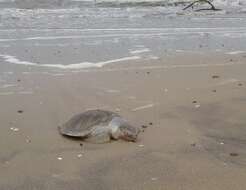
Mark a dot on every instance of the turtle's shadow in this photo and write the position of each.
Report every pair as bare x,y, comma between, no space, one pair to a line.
74,138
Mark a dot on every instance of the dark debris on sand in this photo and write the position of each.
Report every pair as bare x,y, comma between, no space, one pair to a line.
215,76
193,144
234,154
144,126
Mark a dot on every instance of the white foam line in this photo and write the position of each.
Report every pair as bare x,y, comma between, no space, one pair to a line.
26,73
58,74
8,85
25,92
9,73
89,64
127,29
6,93
140,51
166,67
187,51
89,36
235,52
117,35
13,59
143,107
152,57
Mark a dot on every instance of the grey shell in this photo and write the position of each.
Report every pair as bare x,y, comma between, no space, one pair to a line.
80,125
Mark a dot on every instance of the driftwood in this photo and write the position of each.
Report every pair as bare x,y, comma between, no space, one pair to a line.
202,1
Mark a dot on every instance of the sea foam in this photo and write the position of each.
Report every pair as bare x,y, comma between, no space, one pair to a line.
14,60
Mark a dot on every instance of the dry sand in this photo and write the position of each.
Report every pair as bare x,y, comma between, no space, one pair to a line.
197,139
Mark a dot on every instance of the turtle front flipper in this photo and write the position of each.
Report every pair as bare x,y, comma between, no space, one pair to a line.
98,138
99,134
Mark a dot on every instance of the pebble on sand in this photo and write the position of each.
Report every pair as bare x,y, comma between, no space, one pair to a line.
144,126
79,155
59,158
20,111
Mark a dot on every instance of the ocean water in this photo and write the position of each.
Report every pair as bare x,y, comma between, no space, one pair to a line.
76,3
79,34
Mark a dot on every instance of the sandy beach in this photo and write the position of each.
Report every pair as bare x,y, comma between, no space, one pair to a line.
193,105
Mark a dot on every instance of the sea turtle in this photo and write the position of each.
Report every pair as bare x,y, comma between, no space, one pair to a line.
99,126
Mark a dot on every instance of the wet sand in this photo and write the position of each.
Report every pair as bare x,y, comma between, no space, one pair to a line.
194,107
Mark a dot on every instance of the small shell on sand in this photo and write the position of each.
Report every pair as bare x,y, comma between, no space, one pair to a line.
112,91
117,109
14,129
197,106
59,158
143,107
154,178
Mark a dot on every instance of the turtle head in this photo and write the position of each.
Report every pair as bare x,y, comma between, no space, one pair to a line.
128,132
121,129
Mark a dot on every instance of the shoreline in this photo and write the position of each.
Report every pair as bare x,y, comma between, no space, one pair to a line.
137,61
